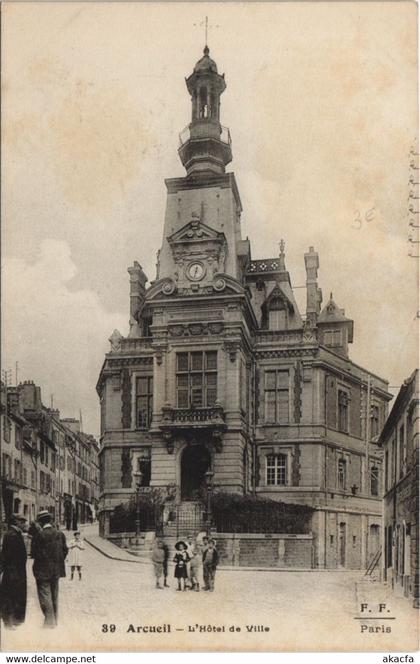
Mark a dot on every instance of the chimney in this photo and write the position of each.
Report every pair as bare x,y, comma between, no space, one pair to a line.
31,396
313,293
137,296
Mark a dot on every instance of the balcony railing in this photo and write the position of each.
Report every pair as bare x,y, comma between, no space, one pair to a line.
282,336
175,419
264,265
192,415
141,343
212,415
224,137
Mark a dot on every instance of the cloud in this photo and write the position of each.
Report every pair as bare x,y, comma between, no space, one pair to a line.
58,335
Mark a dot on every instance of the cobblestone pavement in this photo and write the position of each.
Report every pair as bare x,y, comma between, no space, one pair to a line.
302,610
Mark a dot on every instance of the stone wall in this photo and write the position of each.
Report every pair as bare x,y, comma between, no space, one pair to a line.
255,550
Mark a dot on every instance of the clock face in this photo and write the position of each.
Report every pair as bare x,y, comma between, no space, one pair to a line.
195,271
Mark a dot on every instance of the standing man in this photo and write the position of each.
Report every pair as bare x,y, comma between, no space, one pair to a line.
13,565
49,550
210,561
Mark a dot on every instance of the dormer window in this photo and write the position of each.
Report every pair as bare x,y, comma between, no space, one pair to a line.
277,315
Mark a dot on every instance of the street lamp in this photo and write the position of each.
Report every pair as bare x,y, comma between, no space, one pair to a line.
139,476
209,485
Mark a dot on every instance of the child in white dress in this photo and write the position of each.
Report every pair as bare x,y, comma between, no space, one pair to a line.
76,547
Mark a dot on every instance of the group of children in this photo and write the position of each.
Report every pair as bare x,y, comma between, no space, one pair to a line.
190,558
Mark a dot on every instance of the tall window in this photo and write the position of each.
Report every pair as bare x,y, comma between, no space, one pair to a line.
196,379
144,465
374,481
18,438
277,315
7,426
276,470
343,411
374,421
342,474
332,338
276,396
402,451
17,470
6,465
144,399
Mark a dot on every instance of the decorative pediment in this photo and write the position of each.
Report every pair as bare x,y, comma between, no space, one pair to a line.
196,232
278,299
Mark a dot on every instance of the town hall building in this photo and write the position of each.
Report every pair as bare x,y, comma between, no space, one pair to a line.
222,372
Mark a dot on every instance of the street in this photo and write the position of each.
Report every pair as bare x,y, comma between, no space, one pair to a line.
116,604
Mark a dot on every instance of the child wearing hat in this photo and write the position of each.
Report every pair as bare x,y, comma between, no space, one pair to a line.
181,558
75,556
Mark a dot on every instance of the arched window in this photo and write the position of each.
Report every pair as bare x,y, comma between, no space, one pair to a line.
276,470
203,108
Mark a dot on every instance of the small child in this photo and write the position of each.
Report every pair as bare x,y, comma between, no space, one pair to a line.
75,556
181,559
195,567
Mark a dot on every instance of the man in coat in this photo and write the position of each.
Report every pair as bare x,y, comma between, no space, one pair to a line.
13,566
49,550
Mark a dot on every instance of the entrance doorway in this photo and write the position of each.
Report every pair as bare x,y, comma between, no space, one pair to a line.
195,462
342,545
374,540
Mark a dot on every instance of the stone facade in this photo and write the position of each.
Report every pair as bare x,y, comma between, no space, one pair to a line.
400,442
220,370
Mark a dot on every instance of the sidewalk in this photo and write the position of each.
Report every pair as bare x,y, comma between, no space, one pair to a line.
91,536
90,532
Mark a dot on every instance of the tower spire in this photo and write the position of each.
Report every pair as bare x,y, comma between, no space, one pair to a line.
205,144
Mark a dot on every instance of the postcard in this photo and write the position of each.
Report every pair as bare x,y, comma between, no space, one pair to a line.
209,394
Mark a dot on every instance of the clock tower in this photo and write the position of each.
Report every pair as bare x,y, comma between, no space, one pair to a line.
200,310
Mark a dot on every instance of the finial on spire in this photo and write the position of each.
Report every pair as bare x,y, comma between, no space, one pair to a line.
207,27
282,246
331,296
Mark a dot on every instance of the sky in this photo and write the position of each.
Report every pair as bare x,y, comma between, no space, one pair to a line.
321,102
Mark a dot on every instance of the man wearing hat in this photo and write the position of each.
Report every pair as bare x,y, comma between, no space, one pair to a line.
49,550
13,565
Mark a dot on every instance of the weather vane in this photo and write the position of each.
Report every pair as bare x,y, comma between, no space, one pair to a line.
207,27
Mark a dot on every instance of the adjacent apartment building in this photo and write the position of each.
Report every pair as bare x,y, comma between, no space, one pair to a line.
45,461
222,371
400,442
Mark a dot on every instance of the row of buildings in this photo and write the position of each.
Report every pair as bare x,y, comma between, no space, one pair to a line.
223,373
399,441
46,462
